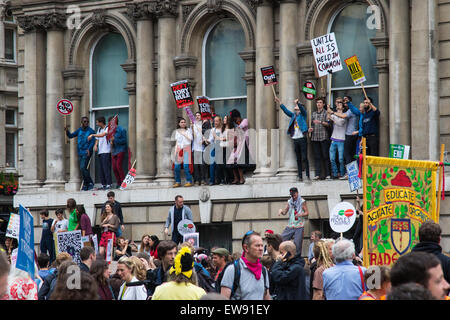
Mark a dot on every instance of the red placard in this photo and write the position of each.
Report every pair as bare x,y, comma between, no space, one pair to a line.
269,76
64,107
112,127
204,107
182,94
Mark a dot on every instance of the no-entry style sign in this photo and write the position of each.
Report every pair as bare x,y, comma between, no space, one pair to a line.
309,90
64,107
342,217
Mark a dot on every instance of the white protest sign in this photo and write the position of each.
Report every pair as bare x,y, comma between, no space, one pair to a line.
109,250
326,54
186,226
13,227
342,217
192,238
95,241
354,181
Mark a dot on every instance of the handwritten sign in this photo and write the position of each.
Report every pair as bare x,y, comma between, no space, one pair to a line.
269,76
326,54
355,69
181,93
354,182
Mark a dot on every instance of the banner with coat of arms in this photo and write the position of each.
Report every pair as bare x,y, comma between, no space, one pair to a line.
399,195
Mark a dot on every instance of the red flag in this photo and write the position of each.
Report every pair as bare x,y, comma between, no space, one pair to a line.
112,127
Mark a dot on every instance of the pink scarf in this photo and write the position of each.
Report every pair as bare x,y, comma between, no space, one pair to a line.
254,267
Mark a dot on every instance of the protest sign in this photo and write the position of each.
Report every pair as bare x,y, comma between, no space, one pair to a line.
309,90
64,107
269,76
326,54
399,195
109,250
113,267
25,253
85,241
71,243
342,217
204,107
181,93
95,242
186,226
354,181
112,127
355,69
398,151
129,179
13,228
192,238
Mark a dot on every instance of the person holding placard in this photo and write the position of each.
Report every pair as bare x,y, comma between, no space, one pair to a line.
177,213
337,138
320,139
85,150
183,137
297,130
216,173
198,148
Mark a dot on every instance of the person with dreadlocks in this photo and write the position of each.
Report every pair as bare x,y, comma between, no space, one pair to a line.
324,261
182,280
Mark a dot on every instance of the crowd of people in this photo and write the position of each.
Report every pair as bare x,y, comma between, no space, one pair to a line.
269,266
334,130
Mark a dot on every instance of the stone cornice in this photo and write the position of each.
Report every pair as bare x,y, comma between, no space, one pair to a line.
49,21
249,55
165,8
260,3
73,73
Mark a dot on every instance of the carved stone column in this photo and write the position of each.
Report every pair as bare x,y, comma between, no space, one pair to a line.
54,24
33,167
166,11
130,69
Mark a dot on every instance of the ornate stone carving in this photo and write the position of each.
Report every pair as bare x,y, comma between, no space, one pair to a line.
166,8
186,10
214,5
140,10
54,20
99,18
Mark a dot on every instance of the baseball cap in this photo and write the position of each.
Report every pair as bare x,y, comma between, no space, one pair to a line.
293,190
269,231
221,252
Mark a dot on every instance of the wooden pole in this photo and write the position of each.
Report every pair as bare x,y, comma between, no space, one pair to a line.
89,163
364,90
65,134
273,90
364,173
329,89
441,174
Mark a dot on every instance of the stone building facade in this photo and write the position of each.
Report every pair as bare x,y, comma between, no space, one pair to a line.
120,57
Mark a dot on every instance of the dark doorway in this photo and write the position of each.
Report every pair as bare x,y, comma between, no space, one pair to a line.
215,235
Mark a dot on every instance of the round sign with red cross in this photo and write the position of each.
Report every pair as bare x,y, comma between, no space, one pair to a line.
64,106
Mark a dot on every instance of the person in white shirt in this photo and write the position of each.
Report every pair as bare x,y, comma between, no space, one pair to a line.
60,224
103,147
198,148
183,157
125,269
216,174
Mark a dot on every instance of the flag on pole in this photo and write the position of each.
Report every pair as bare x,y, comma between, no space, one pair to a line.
112,127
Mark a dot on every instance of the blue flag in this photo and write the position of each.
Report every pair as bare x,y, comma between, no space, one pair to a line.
25,252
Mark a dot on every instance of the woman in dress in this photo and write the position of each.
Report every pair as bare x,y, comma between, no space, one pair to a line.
110,224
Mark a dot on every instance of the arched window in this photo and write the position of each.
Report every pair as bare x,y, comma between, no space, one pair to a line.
108,82
223,68
353,38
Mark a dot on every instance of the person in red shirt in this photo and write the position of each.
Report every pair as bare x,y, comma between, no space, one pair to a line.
84,222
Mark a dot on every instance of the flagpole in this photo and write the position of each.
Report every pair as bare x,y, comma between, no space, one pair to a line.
441,173
365,240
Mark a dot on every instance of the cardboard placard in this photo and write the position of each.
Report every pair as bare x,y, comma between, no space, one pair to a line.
112,127
354,181
109,250
269,76
25,253
182,94
326,54
204,107
355,69
192,238
70,242
190,114
129,179
309,90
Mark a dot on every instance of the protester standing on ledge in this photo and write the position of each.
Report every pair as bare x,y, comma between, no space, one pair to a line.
297,209
177,213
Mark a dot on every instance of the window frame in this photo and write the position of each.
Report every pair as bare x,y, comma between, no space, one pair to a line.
204,43
330,83
10,25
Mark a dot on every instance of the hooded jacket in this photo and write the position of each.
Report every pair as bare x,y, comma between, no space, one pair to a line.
289,279
301,118
436,249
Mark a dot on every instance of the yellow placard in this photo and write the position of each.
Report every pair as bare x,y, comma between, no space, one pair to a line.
355,69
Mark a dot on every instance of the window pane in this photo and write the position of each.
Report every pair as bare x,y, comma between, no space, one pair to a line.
123,122
10,149
224,66
353,38
10,117
9,44
109,77
223,107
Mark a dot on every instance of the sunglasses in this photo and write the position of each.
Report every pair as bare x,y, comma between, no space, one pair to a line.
248,234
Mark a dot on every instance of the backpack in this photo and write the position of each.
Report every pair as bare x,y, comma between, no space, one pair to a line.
205,282
237,276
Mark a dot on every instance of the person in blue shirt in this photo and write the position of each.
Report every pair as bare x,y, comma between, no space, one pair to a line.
297,130
369,124
85,150
344,281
